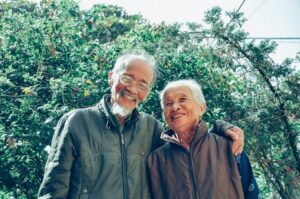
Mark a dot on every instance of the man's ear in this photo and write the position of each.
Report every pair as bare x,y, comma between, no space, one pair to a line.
110,80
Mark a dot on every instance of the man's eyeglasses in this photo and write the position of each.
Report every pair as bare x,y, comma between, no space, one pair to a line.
127,80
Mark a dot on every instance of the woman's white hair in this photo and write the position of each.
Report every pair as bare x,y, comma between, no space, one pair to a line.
190,84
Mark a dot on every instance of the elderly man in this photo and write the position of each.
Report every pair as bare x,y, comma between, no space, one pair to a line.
101,151
194,163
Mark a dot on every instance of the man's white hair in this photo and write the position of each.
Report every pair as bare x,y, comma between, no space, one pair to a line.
124,61
190,84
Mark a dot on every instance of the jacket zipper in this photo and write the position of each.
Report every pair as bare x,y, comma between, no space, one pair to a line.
124,167
192,174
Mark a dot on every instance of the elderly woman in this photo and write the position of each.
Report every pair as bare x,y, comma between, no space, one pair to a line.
195,163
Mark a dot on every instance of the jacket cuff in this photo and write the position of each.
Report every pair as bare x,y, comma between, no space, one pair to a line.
220,126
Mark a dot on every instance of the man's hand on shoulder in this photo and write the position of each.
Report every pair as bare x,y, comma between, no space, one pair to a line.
237,136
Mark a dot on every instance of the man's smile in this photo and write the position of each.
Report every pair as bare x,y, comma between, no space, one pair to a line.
129,96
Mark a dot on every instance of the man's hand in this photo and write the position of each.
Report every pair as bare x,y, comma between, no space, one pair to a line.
237,135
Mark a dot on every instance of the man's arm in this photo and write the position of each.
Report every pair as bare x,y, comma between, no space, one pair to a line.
250,187
56,179
224,129
156,140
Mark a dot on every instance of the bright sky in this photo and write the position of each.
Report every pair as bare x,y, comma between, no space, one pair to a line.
266,18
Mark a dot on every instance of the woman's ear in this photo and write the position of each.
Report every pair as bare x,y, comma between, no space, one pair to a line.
110,80
202,109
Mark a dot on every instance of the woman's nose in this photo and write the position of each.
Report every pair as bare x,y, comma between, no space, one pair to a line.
175,106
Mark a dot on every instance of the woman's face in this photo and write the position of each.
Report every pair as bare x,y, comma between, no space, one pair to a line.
181,111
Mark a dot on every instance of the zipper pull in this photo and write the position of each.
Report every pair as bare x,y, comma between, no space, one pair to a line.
122,138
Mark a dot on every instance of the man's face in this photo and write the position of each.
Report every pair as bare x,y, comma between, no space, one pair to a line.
181,111
129,96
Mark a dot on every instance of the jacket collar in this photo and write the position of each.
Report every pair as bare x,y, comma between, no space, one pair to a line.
111,120
170,135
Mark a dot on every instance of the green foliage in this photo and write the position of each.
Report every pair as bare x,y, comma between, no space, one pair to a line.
270,102
55,57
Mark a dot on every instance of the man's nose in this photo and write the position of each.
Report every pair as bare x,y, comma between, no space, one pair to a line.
133,88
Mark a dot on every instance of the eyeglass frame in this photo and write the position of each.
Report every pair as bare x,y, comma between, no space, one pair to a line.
147,86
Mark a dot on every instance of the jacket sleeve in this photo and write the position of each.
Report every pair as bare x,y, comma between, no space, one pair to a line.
56,179
154,177
250,187
156,140
220,126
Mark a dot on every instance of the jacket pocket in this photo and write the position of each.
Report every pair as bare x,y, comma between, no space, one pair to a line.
91,166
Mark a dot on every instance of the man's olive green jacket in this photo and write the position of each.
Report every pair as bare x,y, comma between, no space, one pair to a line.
91,158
